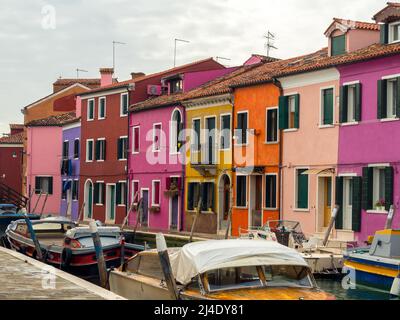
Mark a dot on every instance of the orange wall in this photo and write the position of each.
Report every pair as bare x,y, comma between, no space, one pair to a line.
256,100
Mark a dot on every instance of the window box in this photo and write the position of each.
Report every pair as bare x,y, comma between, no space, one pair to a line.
155,209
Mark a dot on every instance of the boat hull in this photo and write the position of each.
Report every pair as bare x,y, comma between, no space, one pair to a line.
8,217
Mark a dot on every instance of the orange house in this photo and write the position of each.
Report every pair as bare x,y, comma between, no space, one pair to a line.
256,156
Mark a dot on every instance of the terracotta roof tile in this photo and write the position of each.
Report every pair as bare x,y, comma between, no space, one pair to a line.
13,139
54,121
68,82
14,126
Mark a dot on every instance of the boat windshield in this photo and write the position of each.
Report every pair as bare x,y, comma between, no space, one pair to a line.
257,277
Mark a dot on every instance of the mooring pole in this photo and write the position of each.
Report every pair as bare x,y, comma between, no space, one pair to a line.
166,266
229,215
39,254
198,211
331,224
37,202
101,263
44,204
389,220
81,212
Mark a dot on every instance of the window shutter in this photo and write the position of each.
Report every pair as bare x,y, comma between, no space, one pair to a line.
50,186
118,193
398,98
37,185
283,113
339,202
358,106
190,196
357,187
97,149
384,33
382,105
119,148
343,103
103,193
389,179
168,183
297,113
367,188
204,200
211,200
96,193
104,150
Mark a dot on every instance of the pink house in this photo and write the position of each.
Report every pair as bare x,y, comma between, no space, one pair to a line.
44,154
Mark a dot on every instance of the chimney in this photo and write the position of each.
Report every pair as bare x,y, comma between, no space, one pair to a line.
136,75
106,76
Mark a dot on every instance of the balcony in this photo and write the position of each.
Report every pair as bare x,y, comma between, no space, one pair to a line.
203,158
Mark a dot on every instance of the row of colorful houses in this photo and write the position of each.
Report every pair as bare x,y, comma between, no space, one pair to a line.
271,139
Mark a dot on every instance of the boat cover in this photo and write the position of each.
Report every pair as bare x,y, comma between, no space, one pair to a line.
200,257
81,232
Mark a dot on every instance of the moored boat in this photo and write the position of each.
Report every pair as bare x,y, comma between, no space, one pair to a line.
220,270
67,246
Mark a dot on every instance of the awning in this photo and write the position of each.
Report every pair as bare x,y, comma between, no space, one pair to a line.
320,172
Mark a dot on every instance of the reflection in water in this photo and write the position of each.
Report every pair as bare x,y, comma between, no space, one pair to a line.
361,293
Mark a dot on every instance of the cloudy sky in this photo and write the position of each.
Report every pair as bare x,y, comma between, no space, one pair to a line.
36,49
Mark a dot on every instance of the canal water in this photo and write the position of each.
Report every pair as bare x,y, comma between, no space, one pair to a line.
335,288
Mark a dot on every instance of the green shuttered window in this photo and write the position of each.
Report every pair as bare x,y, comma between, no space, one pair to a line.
339,202
388,98
289,112
338,45
327,106
350,103
384,33
377,188
301,189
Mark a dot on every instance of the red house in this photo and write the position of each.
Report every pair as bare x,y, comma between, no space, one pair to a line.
11,149
104,138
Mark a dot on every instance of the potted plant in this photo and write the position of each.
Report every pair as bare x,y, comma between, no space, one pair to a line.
155,209
380,205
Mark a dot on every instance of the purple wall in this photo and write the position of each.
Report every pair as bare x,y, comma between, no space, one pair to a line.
71,134
371,141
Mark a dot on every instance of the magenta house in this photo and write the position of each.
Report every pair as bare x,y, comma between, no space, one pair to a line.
368,182
156,162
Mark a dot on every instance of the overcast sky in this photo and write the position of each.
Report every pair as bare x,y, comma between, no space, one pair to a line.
35,49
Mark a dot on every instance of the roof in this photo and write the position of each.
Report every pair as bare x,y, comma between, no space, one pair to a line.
54,121
14,126
13,139
85,82
203,256
146,77
391,10
351,24
217,86
265,58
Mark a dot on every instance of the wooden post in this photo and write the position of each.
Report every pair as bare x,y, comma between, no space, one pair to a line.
126,220
44,204
229,216
389,220
39,254
138,215
37,202
101,263
331,225
81,212
198,211
28,203
166,266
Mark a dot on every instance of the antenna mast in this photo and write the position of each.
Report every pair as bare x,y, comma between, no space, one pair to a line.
270,42
114,43
79,70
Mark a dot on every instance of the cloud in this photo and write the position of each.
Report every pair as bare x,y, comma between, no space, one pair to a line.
31,58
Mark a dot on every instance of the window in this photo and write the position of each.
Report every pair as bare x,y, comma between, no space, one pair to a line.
76,149
242,128
338,45
135,192
65,151
64,189
379,186
176,132
101,150
121,193
389,98
90,110
207,197
196,144
272,126
102,108
176,85
135,140
193,197
89,150
156,193
225,132
99,193
122,151
270,191
301,189
327,105
241,191
156,137
394,32
124,104
289,112
75,190
350,103
44,185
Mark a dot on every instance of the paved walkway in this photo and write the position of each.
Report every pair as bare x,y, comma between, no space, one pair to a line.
22,278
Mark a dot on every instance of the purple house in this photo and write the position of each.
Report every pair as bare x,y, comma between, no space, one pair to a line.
156,162
368,182
70,167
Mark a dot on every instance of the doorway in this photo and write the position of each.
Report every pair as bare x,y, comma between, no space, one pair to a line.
224,202
348,204
255,201
111,202
174,213
88,199
327,201
144,219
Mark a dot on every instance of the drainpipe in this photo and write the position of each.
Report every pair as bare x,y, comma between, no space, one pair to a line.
277,83
128,185
183,180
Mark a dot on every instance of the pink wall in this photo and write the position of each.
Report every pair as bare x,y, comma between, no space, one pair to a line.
195,79
44,156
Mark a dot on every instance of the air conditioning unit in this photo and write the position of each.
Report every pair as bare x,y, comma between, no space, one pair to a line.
154,90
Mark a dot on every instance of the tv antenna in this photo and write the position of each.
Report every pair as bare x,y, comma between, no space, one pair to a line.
222,58
270,42
79,70
176,41
115,43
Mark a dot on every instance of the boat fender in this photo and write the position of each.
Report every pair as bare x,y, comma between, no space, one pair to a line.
66,257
